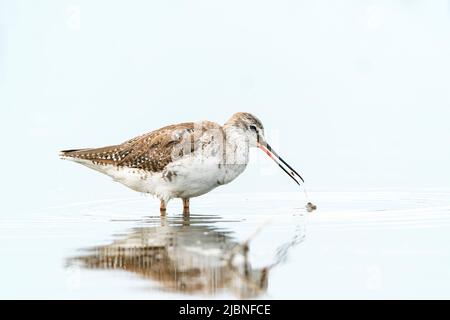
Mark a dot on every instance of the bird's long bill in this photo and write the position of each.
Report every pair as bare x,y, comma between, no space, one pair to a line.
264,146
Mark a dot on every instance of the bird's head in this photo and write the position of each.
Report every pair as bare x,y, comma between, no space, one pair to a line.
250,126
253,129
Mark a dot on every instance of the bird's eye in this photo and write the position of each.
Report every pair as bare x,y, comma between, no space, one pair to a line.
252,127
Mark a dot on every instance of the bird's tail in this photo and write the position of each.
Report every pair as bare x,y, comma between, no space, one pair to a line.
104,155
74,153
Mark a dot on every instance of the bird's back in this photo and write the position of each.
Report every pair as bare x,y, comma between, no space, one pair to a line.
151,152
159,162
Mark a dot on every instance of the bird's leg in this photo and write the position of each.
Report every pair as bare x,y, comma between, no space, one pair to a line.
162,208
186,206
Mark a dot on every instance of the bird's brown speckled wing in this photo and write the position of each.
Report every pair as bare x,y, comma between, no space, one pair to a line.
151,151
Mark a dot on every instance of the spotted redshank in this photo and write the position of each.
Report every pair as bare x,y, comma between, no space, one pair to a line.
184,160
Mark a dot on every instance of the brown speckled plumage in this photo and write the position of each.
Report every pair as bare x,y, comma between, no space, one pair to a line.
152,151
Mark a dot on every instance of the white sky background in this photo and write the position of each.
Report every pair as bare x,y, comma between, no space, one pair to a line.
355,94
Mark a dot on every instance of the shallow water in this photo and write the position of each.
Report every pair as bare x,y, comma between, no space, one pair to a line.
356,245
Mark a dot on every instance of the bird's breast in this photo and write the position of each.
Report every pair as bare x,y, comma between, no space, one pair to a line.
229,172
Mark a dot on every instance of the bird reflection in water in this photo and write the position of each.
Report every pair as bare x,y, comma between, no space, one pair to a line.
187,254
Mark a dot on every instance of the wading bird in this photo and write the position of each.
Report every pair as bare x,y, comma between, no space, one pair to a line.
184,160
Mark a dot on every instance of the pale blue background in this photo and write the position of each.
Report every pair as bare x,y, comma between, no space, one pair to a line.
355,93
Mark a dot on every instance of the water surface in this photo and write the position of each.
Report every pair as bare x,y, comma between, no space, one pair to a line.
356,245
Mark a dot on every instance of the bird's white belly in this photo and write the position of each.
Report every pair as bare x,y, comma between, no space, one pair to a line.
192,177
187,177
